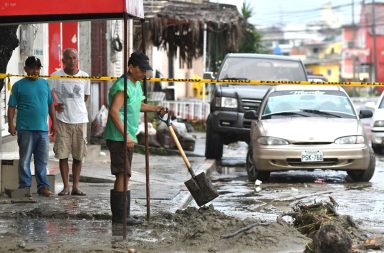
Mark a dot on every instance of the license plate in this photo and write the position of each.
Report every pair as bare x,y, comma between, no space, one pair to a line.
312,156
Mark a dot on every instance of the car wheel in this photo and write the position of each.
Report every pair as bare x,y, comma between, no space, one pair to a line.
377,149
213,143
364,175
252,171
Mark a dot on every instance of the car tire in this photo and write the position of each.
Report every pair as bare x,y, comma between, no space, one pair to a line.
364,175
253,173
377,149
213,143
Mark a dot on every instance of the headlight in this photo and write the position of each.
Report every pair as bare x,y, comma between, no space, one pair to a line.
354,139
226,102
378,123
272,141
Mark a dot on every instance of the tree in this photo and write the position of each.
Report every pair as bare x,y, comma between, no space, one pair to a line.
251,41
8,43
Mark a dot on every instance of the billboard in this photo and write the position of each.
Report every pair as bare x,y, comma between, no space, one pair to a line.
20,11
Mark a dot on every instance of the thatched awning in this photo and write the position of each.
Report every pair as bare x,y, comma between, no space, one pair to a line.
174,24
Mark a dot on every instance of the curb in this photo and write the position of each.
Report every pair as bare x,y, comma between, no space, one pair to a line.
90,179
163,151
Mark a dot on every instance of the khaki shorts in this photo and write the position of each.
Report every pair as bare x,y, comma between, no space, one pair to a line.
116,150
71,139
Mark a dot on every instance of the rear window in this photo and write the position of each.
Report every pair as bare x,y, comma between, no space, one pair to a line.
262,69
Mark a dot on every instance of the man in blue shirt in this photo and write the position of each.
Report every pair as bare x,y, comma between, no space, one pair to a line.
33,100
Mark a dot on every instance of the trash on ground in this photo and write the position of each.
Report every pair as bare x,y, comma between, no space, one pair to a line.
329,231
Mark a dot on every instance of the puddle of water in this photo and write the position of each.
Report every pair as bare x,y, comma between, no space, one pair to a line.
84,234
51,231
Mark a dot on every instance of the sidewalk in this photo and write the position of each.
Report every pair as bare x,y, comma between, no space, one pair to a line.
167,190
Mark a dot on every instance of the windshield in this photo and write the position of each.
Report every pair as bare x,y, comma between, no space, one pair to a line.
308,104
262,69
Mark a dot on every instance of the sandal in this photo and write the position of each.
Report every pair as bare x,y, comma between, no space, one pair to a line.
77,193
63,192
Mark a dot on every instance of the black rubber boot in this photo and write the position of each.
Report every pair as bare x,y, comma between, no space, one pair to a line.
117,208
131,220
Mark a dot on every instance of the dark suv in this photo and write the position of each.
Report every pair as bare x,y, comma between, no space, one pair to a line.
226,122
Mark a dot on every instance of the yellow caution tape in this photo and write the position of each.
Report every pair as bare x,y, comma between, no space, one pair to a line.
9,86
192,80
101,78
263,82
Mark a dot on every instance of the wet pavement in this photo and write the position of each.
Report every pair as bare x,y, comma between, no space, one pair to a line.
84,222
243,199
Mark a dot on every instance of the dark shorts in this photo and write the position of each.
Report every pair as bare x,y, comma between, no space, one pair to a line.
116,150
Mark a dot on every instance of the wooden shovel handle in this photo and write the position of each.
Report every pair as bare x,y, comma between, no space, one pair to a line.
176,140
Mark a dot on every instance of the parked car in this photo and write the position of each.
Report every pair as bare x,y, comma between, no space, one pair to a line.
317,78
377,128
226,122
307,128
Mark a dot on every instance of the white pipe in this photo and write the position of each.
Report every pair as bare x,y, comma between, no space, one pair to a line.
204,56
130,35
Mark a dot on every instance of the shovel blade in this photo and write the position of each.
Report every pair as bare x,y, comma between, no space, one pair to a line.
201,189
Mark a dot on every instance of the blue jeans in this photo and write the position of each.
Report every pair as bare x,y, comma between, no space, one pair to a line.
36,143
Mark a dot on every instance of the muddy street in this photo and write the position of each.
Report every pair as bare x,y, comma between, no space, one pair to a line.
83,224
242,219
243,199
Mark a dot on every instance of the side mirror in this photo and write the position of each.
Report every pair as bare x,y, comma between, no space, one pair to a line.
251,114
365,114
208,75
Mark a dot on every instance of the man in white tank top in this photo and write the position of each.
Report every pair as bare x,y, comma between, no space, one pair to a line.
72,119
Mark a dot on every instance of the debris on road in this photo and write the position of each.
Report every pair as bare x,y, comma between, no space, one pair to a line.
330,231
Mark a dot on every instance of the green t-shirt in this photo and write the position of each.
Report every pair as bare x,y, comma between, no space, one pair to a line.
134,100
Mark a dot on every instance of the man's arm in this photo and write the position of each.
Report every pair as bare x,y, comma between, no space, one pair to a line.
11,125
87,89
52,115
153,108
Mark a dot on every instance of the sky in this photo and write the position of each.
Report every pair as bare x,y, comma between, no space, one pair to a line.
276,12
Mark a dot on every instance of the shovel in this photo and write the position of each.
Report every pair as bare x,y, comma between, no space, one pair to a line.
201,189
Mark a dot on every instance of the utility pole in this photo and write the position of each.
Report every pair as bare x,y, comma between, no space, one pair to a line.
217,37
204,56
374,42
353,46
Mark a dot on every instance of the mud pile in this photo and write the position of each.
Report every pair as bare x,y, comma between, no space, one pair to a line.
205,229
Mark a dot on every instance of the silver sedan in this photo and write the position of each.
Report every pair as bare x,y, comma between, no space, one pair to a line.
307,128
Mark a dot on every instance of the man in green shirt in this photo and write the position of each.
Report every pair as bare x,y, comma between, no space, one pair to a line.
114,131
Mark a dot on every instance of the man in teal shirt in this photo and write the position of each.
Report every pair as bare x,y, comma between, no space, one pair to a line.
114,131
33,100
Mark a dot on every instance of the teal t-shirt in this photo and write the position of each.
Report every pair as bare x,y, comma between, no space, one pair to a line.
32,99
135,98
